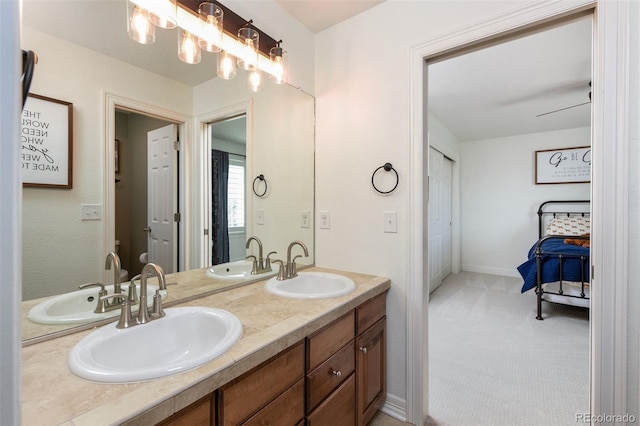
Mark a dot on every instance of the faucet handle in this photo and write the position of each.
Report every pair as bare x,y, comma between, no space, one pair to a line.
100,307
293,271
267,264
81,286
282,273
157,311
126,318
133,294
254,268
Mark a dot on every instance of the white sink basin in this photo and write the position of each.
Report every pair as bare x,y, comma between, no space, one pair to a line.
311,285
239,270
184,339
77,307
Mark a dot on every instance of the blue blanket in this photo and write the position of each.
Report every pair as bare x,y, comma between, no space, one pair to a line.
550,264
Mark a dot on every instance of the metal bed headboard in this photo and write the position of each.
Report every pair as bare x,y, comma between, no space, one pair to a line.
542,212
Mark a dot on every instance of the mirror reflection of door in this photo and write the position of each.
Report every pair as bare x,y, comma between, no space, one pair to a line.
131,192
161,221
228,177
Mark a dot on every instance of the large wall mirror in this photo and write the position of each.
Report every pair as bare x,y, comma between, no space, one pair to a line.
86,58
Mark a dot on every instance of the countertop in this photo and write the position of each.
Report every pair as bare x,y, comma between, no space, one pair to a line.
52,395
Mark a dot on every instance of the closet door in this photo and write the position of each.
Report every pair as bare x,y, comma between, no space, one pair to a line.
439,218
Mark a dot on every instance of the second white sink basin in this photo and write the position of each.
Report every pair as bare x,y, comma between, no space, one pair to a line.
238,270
77,307
311,285
185,338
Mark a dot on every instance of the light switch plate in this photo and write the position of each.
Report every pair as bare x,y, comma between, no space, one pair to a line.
325,220
305,219
260,216
91,211
391,222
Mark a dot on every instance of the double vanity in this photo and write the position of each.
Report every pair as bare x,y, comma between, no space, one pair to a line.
306,350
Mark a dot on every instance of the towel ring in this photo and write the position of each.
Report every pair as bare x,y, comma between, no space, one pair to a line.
261,179
387,167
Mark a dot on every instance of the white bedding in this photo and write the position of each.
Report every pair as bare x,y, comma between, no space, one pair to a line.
567,288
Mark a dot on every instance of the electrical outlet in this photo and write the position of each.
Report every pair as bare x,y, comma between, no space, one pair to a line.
91,211
260,216
305,219
325,220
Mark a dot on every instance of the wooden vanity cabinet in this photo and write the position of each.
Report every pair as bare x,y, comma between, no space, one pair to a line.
330,362
336,376
200,413
271,393
371,358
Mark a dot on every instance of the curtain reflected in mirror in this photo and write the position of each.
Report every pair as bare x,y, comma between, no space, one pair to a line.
220,204
228,158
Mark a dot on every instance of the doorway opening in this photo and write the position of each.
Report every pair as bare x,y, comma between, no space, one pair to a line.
496,192
130,127
134,192
227,183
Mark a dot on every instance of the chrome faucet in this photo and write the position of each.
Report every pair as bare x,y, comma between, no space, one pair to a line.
114,259
258,265
143,311
291,264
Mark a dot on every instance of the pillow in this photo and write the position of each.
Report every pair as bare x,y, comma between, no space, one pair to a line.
574,225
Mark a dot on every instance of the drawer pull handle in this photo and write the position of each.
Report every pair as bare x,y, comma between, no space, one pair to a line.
364,349
337,373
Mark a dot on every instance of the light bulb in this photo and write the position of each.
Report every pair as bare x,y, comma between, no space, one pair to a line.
277,73
226,66
254,80
188,49
140,28
211,17
250,41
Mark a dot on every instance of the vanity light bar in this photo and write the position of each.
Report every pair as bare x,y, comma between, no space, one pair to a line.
189,21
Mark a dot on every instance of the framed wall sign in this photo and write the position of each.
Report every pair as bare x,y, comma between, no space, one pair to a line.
565,165
47,143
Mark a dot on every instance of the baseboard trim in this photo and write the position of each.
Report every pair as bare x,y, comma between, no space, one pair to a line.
395,407
505,272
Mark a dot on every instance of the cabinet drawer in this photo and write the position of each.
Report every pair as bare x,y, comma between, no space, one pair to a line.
339,408
287,409
324,343
247,394
328,376
197,414
370,312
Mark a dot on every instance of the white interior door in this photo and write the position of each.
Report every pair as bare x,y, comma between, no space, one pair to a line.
440,168
161,172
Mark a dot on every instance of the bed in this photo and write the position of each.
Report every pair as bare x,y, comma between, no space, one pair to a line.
558,263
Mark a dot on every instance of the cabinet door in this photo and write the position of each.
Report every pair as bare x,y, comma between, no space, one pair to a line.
371,371
338,409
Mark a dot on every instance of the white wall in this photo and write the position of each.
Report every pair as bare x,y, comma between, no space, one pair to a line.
500,198
363,121
51,217
633,296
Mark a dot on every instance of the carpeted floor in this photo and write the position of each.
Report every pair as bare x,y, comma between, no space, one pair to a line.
492,363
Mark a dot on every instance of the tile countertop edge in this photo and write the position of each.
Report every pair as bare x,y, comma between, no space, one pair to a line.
198,384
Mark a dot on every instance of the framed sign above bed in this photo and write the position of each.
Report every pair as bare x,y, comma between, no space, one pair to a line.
564,165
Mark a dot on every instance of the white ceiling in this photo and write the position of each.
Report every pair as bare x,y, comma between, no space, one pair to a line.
493,92
318,15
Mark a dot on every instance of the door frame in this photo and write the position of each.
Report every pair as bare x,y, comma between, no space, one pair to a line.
608,331
113,102
202,240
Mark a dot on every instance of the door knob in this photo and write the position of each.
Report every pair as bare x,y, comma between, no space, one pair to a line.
147,229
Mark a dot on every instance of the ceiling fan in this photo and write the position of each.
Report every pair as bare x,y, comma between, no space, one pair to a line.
569,107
